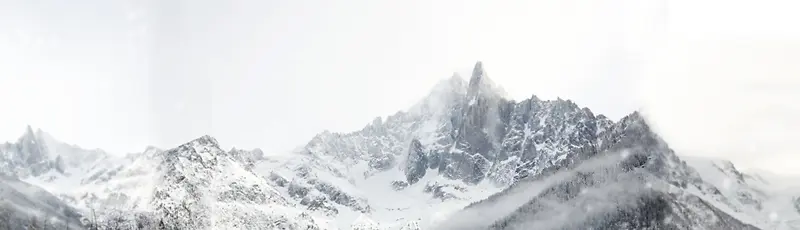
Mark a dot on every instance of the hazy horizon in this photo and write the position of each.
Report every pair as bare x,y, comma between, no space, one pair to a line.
124,75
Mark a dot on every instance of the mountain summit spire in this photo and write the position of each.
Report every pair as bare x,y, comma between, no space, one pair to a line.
29,131
477,73
477,80
479,83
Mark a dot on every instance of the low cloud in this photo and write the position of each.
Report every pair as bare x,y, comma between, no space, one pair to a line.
734,99
482,215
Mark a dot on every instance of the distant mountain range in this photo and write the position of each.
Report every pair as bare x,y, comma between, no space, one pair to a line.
464,157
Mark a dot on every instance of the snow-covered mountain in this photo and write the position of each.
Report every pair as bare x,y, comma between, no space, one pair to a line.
200,186
468,131
194,186
636,183
37,153
767,200
464,157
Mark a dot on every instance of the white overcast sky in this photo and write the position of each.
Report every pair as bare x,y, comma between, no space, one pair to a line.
715,78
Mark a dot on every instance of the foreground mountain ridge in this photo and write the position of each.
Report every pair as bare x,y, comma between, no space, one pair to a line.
464,145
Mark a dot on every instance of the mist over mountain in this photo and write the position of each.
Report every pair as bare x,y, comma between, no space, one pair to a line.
464,157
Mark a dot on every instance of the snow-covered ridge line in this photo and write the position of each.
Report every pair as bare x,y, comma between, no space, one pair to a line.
465,143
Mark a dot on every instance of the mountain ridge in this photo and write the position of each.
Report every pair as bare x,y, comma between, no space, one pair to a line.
459,148
473,115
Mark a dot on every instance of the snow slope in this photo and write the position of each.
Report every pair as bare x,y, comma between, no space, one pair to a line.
201,187
353,199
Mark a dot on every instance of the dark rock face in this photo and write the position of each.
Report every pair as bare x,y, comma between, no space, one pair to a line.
417,162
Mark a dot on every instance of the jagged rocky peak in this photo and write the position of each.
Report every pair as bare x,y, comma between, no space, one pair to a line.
206,151
32,147
478,76
36,152
470,131
477,71
38,137
30,155
485,136
28,133
204,141
204,148
481,85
